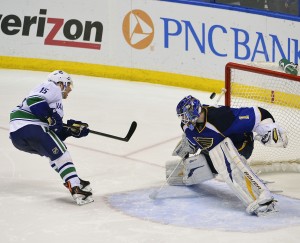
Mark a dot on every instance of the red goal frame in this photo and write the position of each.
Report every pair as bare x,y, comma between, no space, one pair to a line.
231,65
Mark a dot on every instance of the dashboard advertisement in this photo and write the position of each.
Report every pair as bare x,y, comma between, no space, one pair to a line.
145,34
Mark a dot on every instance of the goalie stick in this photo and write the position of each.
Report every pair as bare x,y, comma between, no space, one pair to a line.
125,139
154,194
213,95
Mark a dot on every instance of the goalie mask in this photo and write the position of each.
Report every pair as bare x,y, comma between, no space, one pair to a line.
59,76
188,110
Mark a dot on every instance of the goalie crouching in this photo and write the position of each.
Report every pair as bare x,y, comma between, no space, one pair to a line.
225,137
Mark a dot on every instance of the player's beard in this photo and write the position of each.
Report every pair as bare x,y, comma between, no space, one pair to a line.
65,95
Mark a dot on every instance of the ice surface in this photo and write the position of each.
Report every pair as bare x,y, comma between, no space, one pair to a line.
35,206
204,206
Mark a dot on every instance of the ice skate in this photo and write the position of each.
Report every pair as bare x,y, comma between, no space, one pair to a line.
84,185
262,208
80,196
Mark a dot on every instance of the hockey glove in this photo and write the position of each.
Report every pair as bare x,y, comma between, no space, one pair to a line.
184,148
78,129
55,122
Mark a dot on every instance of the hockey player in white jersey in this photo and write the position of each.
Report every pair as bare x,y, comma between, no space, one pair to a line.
224,137
36,127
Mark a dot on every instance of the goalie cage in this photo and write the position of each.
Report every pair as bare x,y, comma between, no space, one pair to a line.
266,85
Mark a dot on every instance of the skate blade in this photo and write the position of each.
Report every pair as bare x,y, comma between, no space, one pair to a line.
265,214
80,201
267,210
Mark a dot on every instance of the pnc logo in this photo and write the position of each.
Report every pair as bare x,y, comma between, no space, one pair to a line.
138,29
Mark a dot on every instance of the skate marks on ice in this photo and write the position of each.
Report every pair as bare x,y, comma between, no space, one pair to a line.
210,206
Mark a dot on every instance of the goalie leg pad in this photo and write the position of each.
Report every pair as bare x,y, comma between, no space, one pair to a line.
270,134
193,170
196,170
176,176
238,175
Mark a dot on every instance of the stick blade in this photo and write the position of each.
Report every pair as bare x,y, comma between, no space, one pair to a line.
131,131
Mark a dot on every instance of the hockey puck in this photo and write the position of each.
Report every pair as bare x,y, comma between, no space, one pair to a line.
212,95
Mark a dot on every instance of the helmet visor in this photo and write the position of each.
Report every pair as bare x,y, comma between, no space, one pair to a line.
190,114
188,110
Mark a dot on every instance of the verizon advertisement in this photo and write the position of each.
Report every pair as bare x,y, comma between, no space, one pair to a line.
72,30
151,35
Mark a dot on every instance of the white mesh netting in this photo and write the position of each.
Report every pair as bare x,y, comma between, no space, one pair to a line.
280,96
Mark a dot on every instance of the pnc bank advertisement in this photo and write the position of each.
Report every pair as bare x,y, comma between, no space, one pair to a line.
154,35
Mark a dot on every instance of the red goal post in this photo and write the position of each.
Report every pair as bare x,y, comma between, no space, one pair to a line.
266,85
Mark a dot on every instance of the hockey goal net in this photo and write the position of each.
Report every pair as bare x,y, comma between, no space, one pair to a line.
266,85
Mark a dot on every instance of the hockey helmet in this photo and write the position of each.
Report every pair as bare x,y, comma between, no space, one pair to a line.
188,110
59,76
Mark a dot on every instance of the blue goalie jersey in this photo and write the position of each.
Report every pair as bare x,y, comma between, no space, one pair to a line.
221,122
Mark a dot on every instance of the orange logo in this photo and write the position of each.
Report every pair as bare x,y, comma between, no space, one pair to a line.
138,29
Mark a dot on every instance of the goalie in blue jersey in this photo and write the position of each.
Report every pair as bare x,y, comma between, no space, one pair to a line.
36,127
225,137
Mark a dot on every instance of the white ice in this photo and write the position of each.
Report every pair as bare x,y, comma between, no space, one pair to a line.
35,206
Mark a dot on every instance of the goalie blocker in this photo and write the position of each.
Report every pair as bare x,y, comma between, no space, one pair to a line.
233,169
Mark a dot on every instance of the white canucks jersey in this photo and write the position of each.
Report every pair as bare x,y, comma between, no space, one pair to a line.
22,115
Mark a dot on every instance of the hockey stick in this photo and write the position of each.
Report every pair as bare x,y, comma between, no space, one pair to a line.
154,194
220,95
223,91
125,139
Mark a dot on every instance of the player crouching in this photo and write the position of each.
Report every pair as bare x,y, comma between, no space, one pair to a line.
36,127
224,136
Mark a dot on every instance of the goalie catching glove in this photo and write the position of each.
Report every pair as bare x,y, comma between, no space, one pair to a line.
77,129
270,134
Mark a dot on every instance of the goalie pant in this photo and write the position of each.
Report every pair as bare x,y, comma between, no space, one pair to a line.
233,169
